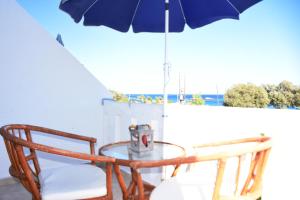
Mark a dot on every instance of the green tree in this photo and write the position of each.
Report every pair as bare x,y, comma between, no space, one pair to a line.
286,86
278,100
288,90
282,95
142,98
273,94
246,95
296,101
159,100
269,88
148,100
119,97
197,99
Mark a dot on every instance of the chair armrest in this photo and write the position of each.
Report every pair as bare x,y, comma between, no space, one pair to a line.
62,152
49,131
59,133
29,128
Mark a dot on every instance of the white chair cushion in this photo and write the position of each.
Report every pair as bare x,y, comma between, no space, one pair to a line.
183,187
199,182
72,182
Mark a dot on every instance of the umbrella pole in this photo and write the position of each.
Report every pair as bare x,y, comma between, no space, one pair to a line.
166,81
166,63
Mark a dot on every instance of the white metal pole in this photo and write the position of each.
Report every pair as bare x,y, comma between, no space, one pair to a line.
166,63
166,79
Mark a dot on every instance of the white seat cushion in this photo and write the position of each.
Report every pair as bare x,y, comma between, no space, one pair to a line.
72,182
183,187
199,182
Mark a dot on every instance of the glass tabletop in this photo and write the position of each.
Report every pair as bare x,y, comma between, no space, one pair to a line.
161,151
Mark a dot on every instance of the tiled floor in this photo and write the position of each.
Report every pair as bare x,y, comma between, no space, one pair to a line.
16,191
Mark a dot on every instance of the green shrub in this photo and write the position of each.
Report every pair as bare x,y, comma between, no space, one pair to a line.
278,99
148,100
246,95
197,99
284,95
119,97
142,99
159,100
296,100
270,88
288,90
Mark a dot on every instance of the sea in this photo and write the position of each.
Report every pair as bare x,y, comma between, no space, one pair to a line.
210,99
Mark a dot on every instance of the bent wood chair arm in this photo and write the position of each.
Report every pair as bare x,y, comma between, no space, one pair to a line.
50,131
28,128
260,152
62,152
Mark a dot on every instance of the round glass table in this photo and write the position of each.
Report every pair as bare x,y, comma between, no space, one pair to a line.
122,152
124,156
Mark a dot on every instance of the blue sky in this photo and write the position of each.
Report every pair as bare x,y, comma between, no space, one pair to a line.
262,47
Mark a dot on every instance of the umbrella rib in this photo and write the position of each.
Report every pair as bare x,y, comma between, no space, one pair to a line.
89,7
135,11
182,11
233,6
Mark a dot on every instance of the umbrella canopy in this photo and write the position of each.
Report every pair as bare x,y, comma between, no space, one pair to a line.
149,15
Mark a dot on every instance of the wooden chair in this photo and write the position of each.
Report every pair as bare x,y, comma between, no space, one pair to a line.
80,181
243,161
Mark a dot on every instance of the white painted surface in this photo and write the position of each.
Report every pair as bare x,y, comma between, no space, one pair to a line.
119,116
43,84
188,125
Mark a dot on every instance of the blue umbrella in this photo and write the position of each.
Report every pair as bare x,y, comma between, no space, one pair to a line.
154,16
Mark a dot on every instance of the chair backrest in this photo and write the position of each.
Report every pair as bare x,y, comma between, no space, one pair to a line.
247,188
24,162
14,136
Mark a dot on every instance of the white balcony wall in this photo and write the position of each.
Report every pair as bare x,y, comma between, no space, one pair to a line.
117,117
43,84
188,125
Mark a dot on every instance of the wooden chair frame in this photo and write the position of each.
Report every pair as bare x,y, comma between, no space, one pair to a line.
251,189
18,136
